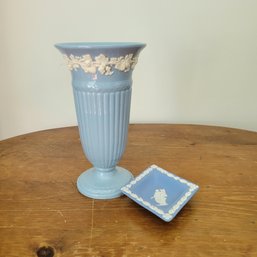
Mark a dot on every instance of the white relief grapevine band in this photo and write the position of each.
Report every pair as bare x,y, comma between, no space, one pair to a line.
101,63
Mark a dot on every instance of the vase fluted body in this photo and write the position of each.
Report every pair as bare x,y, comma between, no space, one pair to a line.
102,81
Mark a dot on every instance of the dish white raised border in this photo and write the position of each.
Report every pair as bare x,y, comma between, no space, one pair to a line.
167,216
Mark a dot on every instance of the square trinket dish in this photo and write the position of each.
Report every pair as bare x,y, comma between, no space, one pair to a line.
160,192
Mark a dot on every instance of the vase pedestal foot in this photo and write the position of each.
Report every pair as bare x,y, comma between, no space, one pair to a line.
103,185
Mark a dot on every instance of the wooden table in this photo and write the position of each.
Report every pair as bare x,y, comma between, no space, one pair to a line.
42,213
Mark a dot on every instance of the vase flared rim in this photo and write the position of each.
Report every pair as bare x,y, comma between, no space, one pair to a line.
95,45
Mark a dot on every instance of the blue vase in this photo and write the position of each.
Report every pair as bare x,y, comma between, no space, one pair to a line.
101,81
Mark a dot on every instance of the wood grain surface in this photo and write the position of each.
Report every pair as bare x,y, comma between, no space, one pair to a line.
42,214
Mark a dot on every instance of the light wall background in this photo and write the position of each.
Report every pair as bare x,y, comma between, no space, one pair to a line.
199,66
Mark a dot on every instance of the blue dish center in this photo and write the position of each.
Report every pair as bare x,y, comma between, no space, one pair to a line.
170,189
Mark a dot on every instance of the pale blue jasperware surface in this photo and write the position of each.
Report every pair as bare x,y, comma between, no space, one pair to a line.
161,192
102,81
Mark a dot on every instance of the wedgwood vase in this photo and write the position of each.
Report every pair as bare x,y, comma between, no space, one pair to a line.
101,81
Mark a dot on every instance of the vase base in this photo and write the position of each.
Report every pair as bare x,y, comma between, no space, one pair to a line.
103,185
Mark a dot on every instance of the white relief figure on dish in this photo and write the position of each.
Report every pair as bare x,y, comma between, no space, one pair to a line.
160,196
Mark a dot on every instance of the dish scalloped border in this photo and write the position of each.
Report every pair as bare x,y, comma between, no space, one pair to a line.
167,216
